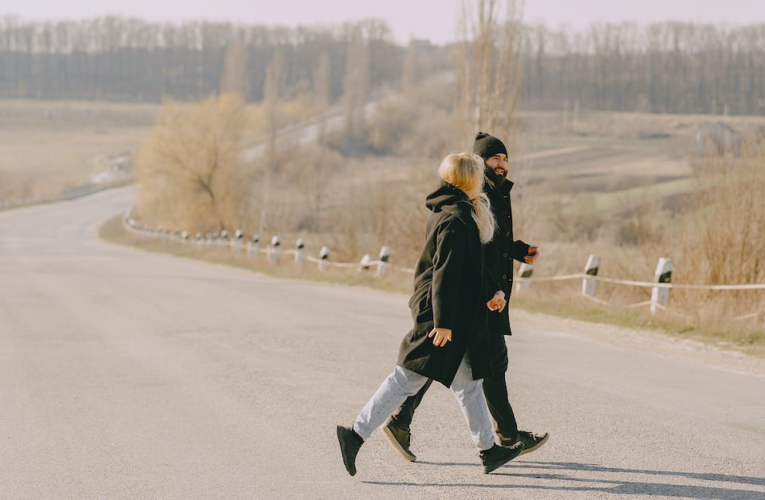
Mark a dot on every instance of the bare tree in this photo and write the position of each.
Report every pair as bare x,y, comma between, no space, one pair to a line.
233,79
322,82
411,64
356,83
271,97
189,169
488,59
315,177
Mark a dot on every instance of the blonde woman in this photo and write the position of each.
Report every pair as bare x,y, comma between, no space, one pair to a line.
449,306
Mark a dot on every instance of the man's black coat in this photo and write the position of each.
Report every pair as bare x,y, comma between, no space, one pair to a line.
500,252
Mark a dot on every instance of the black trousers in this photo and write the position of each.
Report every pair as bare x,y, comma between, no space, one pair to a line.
495,390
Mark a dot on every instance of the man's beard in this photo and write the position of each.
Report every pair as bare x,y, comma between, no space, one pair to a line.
497,180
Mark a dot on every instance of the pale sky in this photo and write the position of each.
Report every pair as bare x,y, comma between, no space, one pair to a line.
431,19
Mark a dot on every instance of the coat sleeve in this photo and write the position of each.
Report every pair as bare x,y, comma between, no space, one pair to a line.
492,284
519,249
448,260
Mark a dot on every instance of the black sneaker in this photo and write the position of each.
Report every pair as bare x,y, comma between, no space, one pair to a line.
400,439
531,441
350,443
497,456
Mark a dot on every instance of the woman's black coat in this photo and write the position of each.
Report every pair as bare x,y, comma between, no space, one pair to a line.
451,288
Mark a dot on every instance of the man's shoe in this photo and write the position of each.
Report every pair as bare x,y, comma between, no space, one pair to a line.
531,441
497,456
400,439
350,443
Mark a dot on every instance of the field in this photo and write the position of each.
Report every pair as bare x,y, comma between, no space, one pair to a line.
48,146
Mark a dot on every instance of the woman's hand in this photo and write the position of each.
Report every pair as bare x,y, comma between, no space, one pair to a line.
442,336
498,302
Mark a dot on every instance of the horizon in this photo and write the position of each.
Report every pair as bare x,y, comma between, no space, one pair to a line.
430,20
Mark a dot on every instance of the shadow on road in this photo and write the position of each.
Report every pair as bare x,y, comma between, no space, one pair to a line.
611,486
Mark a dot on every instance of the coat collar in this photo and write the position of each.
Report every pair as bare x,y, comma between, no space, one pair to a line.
505,188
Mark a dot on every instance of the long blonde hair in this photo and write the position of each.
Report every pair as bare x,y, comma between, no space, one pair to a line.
465,172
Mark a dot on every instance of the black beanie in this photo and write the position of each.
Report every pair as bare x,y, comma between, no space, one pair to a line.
486,146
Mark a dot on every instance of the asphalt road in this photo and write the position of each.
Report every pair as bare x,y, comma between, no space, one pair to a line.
126,374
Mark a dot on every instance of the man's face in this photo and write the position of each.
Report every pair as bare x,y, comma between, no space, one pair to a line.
498,165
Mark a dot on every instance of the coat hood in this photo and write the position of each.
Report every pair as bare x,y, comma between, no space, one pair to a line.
446,195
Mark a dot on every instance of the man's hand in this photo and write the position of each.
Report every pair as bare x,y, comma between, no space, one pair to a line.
532,256
498,302
443,335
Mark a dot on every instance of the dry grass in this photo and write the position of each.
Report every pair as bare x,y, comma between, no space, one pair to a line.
565,301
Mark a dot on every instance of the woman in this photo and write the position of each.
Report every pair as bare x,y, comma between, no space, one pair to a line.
449,340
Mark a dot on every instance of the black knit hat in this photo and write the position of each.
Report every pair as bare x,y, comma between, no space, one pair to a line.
486,146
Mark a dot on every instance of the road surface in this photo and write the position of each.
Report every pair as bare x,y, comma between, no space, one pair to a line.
127,374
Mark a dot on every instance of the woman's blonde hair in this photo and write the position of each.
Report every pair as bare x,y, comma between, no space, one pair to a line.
465,172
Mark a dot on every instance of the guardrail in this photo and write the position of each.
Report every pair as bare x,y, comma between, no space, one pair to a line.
273,251
660,286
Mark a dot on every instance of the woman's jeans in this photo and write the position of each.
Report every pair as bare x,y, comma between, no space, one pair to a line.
403,383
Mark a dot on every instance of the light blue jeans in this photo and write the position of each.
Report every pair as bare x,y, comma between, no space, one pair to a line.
403,383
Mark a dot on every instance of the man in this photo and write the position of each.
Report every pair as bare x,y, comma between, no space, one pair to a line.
500,253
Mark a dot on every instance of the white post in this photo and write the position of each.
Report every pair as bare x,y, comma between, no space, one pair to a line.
384,258
660,296
299,246
254,247
185,236
198,238
223,238
324,256
591,269
364,264
524,271
274,254
236,242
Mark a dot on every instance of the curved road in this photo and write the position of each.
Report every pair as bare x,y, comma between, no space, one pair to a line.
126,374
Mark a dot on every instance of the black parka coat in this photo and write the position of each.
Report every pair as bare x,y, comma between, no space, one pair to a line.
451,288
502,249
500,253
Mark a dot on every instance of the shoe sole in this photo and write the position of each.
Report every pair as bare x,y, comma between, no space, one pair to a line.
397,446
342,451
487,470
536,446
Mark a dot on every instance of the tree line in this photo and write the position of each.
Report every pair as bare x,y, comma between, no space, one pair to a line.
123,59
660,68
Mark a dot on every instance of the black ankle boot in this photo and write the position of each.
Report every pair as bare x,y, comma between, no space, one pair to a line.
350,443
